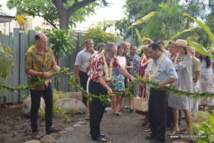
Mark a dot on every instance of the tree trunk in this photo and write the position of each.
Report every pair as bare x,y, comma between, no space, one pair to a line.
65,14
64,21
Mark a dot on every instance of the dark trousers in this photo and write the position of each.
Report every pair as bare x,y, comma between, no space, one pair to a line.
35,104
157,113
169,116
96,108
83,83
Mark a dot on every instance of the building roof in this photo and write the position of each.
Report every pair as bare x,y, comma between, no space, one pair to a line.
5,17
4,13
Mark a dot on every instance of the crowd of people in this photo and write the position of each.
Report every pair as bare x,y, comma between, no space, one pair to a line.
111,69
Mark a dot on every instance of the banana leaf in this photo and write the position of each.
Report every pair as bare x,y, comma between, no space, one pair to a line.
138,35
186,30
143,19
212,50
211,122
200,48
205,27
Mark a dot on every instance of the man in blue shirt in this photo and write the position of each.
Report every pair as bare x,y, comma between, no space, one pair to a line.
162,71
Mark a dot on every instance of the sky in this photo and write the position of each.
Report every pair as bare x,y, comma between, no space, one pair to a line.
4,7
112,12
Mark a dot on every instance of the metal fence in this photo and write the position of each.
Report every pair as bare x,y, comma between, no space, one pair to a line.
19,43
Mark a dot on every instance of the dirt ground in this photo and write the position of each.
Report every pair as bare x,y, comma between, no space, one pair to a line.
15,127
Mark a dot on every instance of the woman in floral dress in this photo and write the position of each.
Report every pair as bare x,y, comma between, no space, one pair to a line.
118,81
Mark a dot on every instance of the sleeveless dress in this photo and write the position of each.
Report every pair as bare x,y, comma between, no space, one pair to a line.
118,82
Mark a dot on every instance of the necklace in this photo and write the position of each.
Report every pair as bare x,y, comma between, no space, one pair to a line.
152,76
107,70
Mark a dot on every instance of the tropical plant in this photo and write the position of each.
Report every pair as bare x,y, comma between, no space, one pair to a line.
99,36
58,95
56,110
203,127
61,43
168,19
6,61
121,27
199,47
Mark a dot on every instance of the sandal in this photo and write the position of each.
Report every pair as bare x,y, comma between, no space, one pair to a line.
117,114
148,130
174,132
145,123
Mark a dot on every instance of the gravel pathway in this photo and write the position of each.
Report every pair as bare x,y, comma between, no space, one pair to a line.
118,129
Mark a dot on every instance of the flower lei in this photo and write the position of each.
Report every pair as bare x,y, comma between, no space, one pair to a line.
107,70
151,76
143,64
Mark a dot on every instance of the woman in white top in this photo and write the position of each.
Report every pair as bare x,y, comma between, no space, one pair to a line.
206,80
118,83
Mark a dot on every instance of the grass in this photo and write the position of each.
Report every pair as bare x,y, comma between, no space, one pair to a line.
58,95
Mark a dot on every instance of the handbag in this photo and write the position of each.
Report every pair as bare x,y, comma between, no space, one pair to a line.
141,104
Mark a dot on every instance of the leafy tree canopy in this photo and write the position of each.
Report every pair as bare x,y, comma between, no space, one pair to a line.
99,36
66,12
167,21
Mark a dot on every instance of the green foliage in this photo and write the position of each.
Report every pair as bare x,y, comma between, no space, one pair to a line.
89,96
58,95
62,71
38,29
42,113
171,88
56,110
203,127
99,36
61,42
168,19
24,97
6,62
186,30
200,48
121,27
204,26
47,10
62,113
